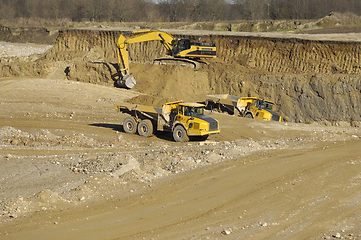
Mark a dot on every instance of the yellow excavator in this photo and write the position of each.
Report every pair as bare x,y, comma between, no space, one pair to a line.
179,49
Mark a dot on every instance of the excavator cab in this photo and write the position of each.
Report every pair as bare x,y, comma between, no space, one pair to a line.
179,45
184,48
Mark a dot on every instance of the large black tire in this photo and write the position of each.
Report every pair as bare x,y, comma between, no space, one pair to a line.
145,128
180,134
248,115
130,125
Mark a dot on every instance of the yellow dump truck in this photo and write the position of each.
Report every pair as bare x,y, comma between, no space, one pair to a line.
249,107
184,120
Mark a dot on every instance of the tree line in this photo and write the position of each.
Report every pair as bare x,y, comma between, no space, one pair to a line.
174,10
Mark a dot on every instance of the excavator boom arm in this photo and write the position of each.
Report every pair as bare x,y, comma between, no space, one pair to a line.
141,36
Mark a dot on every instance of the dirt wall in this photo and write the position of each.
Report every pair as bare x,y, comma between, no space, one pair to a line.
303,97
72,44
272,55
291,55
100,45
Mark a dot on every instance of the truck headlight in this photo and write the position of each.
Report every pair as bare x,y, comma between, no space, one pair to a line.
190,125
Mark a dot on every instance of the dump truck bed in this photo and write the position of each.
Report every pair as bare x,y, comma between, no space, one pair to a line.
128,107
225,99
218,97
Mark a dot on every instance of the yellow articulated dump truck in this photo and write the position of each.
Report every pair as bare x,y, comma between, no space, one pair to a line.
249,107
184,120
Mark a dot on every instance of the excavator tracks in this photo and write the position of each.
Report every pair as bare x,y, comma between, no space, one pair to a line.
178,61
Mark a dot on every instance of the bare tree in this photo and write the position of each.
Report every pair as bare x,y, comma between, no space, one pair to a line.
174,10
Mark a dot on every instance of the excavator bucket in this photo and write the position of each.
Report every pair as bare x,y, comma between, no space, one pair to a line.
127,81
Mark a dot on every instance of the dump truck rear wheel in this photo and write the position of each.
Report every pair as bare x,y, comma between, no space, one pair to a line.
145,128
130,125
180,134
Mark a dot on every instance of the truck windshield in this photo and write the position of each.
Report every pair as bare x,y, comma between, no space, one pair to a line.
193,111
268,105
264,105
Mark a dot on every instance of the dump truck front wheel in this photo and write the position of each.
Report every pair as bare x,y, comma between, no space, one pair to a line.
180,134
248,115
130,125
145,128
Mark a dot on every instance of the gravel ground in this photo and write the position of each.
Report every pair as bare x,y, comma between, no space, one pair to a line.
21,50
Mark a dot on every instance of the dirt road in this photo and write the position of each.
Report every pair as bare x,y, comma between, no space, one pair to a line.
68,171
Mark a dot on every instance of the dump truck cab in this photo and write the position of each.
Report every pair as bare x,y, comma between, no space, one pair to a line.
192,118
259,109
